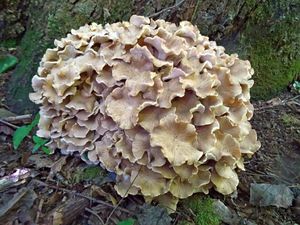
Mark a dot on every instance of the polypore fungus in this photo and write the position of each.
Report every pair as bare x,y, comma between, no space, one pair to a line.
158,104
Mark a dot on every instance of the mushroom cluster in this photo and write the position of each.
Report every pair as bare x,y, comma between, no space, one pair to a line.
158,104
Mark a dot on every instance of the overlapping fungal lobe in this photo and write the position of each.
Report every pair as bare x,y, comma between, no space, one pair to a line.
160,105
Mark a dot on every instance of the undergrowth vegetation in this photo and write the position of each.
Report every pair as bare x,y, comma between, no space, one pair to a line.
22,132
203,211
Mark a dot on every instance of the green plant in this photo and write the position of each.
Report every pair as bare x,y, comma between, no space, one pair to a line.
88,174
40,143
290,120
129,221
203,209
274,50
184,222
296,86
23,131
7,62
10,43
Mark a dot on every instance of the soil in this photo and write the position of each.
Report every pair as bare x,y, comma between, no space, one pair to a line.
53,182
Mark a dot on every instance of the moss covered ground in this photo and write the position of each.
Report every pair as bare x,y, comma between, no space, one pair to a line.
202,209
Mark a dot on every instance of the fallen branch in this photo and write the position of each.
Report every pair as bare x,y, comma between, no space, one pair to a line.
96,215
39,210
15,179
12,126
285,102
19,119
291,104
69,211
9,124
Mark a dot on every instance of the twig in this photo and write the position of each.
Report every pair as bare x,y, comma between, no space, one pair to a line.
293,98
166,9
283,102
12,126
40,206
95,214
81,195
116,207
195,10
9,124
268,107
18,118
291,104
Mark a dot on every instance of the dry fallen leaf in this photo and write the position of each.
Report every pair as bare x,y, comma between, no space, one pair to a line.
57,166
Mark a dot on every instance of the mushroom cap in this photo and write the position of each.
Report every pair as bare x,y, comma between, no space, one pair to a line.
160,105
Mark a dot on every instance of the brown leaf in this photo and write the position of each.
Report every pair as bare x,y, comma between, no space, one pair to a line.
100,192
40,161
6,130
57,166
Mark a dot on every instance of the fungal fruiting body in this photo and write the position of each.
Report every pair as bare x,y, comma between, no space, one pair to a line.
158,104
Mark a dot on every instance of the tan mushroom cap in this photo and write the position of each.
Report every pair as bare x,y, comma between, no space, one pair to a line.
160,105
177,147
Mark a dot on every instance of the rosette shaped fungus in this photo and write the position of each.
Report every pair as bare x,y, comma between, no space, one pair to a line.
160,105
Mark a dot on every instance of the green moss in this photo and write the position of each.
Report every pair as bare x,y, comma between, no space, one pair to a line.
60,22
64,17
92,172
19,88
271,41
10,43
272,74
202,207
88,174
184,222
7,62
290,120
119,11
50,20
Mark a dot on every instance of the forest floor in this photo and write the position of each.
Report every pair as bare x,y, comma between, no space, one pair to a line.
60,189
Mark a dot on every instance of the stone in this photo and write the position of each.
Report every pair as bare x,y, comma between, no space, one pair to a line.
226,215
270,194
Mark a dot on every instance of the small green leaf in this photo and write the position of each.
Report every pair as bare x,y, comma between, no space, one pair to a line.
46,150
23,131
296,85
7,62
39,142
35,121
129,221
19,135
35,148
